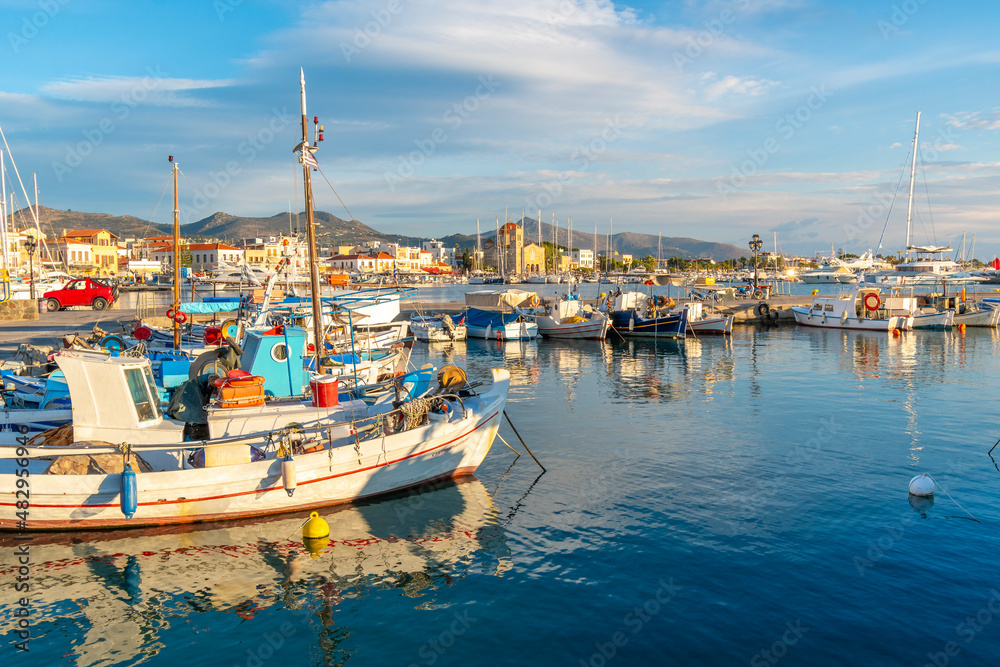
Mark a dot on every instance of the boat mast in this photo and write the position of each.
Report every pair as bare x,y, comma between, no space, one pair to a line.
479,248
913,170
177,260
309,160
3,212
540,238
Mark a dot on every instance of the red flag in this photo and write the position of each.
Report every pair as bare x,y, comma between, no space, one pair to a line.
995,263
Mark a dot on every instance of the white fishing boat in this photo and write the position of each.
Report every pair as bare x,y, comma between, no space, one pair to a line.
861,308
438,329
568,318
250,465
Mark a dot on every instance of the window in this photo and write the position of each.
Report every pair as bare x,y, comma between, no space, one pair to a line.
145,408
279,352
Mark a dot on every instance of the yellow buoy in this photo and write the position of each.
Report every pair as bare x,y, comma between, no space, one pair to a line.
315,527
315,534
815,291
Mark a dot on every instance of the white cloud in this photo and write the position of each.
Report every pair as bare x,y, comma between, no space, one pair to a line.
736,85
154,88
975,120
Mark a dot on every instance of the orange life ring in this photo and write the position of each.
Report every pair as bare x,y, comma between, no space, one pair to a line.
244,381
170,314
180,317
872,301
533,300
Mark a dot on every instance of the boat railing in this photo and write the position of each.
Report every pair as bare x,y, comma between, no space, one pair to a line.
363,428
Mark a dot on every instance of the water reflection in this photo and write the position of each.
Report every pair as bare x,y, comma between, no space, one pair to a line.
123,589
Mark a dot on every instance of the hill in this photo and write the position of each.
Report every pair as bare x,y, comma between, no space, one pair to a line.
625,243
332,230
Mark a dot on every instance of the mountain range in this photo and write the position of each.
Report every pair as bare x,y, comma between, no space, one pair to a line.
332,230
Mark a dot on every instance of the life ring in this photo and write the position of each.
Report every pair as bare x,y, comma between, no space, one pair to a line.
180,317
533,301
170,314
872,301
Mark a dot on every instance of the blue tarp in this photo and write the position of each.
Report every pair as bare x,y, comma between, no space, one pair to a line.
209,307
485,318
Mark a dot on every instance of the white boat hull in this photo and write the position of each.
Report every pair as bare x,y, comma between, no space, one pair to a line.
513,331
594,329
806,318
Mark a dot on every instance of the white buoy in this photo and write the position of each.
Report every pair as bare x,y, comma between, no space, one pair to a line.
922,485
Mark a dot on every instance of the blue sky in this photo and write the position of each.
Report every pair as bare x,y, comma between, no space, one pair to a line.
714,120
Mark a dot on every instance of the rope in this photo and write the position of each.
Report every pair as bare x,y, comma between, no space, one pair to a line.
937,483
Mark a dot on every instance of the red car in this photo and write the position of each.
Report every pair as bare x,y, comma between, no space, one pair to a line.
82,292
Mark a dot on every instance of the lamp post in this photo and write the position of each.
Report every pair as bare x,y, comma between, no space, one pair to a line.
755,246
30,245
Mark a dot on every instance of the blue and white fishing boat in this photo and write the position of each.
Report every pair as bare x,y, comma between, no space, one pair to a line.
495,314
638,315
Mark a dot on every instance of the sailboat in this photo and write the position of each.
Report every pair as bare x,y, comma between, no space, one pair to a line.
925,270
244,453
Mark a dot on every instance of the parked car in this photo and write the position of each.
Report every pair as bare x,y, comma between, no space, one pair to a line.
92,292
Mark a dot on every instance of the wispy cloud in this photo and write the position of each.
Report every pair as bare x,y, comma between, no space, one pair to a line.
974,120
153,89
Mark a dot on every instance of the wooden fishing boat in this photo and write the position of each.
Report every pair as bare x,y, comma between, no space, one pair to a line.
260,456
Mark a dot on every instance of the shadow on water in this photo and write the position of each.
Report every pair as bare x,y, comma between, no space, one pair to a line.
126,589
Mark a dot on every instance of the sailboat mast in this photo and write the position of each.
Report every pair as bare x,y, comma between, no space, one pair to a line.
308,159
913,171
479,248
540,269
3,213
177,259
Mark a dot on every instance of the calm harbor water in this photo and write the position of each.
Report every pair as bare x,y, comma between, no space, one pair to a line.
708,502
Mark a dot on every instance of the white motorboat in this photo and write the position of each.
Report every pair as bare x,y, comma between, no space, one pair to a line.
439,329
862,308
494,314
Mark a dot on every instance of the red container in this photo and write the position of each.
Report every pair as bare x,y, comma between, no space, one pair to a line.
325,391
213,335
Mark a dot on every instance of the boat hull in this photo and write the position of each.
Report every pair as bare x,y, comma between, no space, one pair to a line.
513,331
630,324
716,326
596,329
804,317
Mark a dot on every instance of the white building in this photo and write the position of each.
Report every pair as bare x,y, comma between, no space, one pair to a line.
583,259
439,253
353,263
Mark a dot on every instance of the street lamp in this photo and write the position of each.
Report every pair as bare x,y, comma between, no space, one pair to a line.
755,245
30,245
